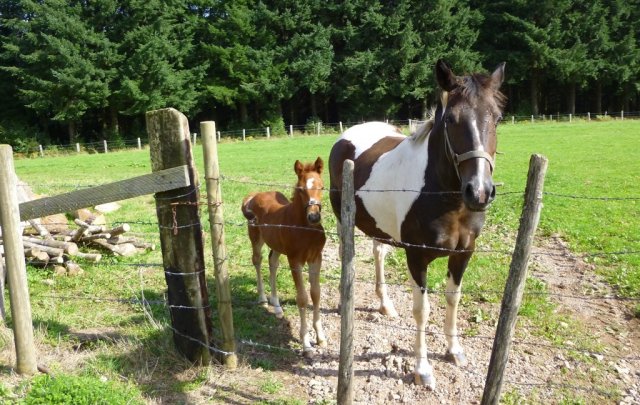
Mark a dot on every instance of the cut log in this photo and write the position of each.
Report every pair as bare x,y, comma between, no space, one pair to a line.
73,269
51,251
37,254
144,245
59,270
118,230
125,249
90,228
94,257
89,238
40,229
68,247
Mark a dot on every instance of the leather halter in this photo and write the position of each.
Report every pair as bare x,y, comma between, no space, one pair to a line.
312,202
459,158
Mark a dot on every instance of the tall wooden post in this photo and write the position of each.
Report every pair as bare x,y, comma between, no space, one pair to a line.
515,282
348,218
181,236
16,268
216,220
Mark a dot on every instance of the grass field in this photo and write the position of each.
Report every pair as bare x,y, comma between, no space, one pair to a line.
591,201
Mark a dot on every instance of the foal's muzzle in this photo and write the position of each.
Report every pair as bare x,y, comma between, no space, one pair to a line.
314,207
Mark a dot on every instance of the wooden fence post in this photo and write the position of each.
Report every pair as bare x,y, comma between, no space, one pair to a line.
291,131
243,135
77,147
139,144
348,217
515,282
216,220
40,150
268,132
104,146
341,131
181,236
16,268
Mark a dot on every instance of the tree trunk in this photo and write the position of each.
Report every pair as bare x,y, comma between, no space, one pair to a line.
292,113
425,109
71,128
535,108
571,99
243,113
598,97
114,127
314,107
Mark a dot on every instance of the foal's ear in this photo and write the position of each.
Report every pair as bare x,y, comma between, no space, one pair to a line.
319,165
297,166
497,77
445,77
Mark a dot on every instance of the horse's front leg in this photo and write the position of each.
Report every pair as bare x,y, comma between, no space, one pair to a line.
380,251
274,261
423,373
256,259
302,302
457,265
314,282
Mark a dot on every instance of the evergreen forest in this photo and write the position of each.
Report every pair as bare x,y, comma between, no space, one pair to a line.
86,70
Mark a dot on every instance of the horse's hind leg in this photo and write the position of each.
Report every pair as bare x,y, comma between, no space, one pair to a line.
274,261
256,259
380,251
314,282
302,302
457,265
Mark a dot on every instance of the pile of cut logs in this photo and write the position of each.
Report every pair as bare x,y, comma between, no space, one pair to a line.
59,249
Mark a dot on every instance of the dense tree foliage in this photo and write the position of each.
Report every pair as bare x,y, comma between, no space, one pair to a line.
86,70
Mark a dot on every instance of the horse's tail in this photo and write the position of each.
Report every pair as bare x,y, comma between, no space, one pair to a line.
246,208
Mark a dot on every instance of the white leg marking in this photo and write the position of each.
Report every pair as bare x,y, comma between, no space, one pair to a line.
423,373
380,251
314,281
301,301
256,259
274,261
454,350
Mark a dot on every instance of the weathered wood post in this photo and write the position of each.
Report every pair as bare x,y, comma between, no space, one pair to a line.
77,147
216,220
340,123
40,150
515,282
104,146
243,135
16,268
268,132
181,236
291,131
139,144
348,218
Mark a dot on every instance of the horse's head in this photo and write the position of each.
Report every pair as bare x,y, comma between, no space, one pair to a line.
470,112
309,188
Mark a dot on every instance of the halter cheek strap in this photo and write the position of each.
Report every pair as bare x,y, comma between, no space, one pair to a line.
473,154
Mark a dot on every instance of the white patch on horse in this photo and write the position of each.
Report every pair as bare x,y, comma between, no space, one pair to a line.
478,146
401,171
364,136
310,183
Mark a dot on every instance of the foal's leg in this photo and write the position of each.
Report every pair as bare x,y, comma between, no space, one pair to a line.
457,265
274,261
302,302
314,281
256,259
380,251
423,373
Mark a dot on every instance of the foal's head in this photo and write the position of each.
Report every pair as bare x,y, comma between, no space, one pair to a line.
471,110
309,188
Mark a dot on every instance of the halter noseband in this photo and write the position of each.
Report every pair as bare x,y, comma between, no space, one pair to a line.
457,159
312,202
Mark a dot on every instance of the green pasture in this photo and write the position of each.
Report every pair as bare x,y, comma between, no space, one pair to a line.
591,183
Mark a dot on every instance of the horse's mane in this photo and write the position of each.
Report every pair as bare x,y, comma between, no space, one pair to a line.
478,85
424,129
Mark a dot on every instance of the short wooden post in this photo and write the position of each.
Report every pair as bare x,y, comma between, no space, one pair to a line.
40,150
195,139
77,147
243,135
515,282
513,119
16,269
219,136
181,236
216,220
348,216
341,127
104,146
622,115
139,144
588,116
291,131
268,132
532,118
570,117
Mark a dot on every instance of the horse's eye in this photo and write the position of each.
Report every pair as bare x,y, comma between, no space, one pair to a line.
449,119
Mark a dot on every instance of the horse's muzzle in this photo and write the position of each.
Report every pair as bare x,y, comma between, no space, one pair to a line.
478,195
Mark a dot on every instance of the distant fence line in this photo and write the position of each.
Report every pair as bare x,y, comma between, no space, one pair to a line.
316,128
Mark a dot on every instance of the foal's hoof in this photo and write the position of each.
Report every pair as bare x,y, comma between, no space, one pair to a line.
321,343
459,359
278,312
426,380
388,310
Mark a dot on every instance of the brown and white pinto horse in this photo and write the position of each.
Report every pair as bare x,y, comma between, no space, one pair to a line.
292,228
426,193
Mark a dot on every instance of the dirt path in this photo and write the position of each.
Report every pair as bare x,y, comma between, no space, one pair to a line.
539,370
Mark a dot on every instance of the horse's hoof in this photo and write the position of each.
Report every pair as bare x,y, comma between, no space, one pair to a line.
388,310
307,352
278,312
459,359
322,343
263,303
426,380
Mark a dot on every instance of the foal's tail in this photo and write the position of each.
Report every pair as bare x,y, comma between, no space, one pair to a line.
246,208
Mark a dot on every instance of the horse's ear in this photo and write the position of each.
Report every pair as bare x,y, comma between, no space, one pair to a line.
319,165
497,77
445,77
297,166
